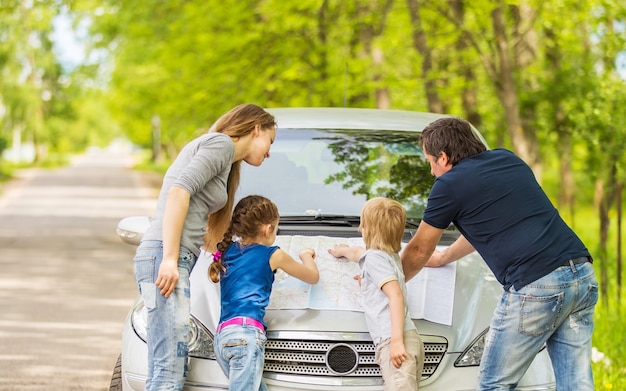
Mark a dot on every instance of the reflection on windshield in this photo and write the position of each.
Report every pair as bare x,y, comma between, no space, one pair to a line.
335,172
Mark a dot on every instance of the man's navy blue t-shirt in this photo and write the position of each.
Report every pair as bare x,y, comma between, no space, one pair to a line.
495,201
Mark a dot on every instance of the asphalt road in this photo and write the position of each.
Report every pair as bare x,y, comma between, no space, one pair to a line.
66,280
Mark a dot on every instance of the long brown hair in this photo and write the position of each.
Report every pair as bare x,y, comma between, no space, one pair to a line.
249,217
237,122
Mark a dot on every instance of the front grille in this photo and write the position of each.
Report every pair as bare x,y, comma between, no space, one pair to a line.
342,359
322,357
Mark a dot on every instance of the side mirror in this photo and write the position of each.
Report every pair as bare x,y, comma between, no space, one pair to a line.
131,229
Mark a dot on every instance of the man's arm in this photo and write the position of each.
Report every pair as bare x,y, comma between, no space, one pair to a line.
457,250
419,249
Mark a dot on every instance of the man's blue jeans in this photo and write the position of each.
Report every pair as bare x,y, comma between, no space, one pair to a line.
556,310
168,318
240,353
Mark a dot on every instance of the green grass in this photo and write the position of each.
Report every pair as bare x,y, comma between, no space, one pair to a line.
609,337
6,173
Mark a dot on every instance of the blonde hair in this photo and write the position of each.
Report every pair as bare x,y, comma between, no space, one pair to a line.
384,220
237,122
250,215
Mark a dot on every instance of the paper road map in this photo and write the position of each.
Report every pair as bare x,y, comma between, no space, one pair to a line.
430,293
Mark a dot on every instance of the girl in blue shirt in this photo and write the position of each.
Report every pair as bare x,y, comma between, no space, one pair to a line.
244,265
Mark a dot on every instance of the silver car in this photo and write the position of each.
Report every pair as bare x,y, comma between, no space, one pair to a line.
324,164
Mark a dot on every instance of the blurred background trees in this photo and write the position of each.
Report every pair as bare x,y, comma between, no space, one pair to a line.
543,78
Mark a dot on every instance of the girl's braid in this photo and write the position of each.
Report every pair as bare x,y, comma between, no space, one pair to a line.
216,267
250,214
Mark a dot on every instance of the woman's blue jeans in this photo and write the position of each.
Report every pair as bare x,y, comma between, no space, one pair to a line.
168,318
240,353
556,310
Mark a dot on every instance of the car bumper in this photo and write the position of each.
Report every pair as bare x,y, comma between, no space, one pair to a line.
205,374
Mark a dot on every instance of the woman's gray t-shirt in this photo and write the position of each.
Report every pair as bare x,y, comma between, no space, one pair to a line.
202,169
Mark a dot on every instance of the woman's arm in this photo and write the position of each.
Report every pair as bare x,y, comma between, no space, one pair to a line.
397,351
174,216
306,271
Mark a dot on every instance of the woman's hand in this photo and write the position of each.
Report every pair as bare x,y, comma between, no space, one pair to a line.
167,277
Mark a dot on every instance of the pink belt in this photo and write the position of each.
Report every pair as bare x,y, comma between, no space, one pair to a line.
241,321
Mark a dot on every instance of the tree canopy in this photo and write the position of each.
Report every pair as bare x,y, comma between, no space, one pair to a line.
541,77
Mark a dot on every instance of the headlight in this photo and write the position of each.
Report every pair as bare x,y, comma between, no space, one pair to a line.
472,355
200,339
124,234
139,319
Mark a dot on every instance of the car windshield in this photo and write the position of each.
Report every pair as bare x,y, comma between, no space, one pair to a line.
333,172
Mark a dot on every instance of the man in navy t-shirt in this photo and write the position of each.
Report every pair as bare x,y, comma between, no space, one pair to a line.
550,290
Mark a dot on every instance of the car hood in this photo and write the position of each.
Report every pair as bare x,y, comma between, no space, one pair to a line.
474,294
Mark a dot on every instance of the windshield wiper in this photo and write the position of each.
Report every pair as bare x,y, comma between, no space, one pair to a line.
332,219
413,223
319,219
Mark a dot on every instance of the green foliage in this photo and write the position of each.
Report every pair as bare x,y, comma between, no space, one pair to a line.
188,62
39,101
609,337
609,340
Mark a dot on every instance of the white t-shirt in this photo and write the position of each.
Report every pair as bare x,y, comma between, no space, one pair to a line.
377,268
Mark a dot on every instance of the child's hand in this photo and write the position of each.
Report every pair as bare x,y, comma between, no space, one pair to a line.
358,279
307,251
397,353
352,253
339,250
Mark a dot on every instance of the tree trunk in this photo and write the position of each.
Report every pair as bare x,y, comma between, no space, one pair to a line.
322,36
565,199
366,34
383,100
604,228
605,194
468,91
618,205
507,91
566,186
420,43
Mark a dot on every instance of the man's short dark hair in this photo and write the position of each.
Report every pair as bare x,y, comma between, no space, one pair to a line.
453,136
